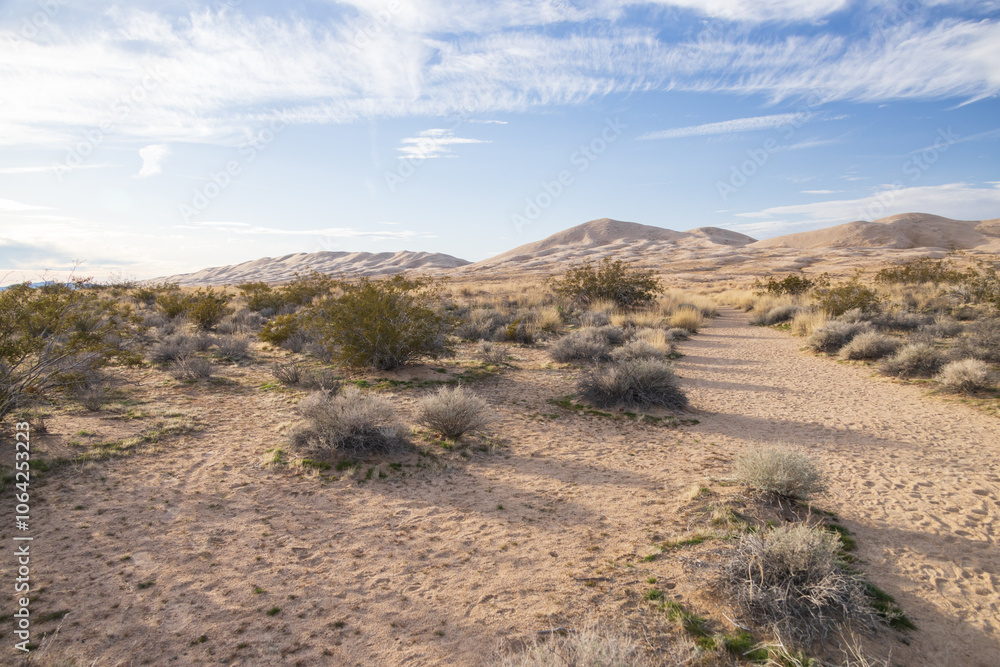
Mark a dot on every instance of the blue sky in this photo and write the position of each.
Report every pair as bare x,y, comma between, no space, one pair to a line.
147,139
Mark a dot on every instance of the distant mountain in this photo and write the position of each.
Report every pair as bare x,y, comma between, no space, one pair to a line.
607,237
904,231
281,269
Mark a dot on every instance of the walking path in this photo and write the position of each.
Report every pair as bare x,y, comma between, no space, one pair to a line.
915,477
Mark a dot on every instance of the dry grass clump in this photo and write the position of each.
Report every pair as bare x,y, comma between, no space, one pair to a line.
743,299
869,345
581,345
774,315
833,335
687,318
967,376
287,374
676,333
491,354
587,647
191,368
636,349
453,412
780,471
913,360
350,423
634,383
983,341
792,577
658,338
807,321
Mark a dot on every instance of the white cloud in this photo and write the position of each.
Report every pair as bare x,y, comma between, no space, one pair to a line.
433,143
960,201
11,205
727,126
152,160
819,192
215,77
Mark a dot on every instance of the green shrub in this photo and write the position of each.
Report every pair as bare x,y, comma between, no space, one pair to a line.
784,472
382,323
171,300
51,335
260,295
792,284
921,270
608,281
848,295
206,308
280,329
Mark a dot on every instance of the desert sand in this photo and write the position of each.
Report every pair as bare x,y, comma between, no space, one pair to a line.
177,554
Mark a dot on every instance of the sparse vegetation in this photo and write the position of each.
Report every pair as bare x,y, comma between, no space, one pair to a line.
913,360
587,344
610,280
869,345
779,470
633,383
967,376
349,423
833,335
453,412
190,367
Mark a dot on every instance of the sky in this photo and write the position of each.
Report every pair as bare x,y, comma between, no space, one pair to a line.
147,139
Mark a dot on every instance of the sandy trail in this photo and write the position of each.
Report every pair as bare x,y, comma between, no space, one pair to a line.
916,478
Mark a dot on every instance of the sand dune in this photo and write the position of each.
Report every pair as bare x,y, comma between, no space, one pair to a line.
281,269
907,230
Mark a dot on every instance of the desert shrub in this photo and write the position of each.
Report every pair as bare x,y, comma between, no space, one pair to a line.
633,383
259,295
898,321
171,300
587,647
191,368
854,316
636,349
170,348
303,290
793,578
50,334
383,323
520,330
662,340
93,390
324,379
869,345
792,284
287,374
280,329
838,299
201,341
296,342
233,349
913,360
833,335
491,354
943,328
807,321
774,315
780,471
921,270
479,324
550,319
676,333
594,318
612,334
155,320
982,340
206,308
610,280
581,345
453,412
687,318
350,423
967,376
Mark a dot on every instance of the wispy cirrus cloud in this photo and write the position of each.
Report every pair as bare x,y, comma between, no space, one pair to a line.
433,143
733,126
